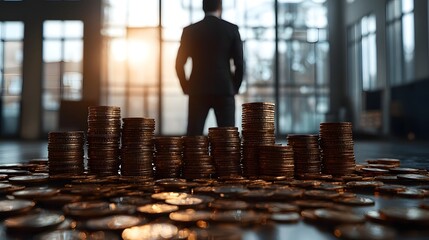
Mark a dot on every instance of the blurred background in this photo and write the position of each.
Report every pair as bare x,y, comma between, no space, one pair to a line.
318,60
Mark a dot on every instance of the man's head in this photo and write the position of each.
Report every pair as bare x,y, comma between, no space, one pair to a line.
212,5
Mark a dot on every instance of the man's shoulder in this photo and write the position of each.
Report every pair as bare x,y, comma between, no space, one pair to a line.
229,24
206,21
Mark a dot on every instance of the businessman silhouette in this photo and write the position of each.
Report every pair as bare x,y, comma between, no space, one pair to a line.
211,44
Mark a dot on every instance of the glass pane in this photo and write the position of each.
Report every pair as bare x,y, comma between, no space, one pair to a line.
52,51
364,25
72,67
396,8
1,54
302,65
322,64
171,34
259,62
73,50
372,24
391,54
10,115
143,13
298,113
136,102
407,6
372,62
365,66
180,10
316,17
116,14
50,120
73,29
13,30
72,86
12,85
408,45
397,66
312,35
175,103
143,52
169,76
175,113
51,75
51,99
13,57
260,13
52,29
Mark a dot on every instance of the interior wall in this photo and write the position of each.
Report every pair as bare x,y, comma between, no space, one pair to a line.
402,111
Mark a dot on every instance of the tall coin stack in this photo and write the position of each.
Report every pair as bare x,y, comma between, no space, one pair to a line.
66,153
137,147
197,163
225,150
336,143
168,157
258,129
306,154
276,161
104,135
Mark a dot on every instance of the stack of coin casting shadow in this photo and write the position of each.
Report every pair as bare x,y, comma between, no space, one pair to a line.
225,150
103,140
137,147
132,149
258,129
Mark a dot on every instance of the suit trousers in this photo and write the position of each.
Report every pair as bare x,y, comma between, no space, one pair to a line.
198,109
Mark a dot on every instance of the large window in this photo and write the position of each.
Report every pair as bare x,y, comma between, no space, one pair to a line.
285,63
62,67
362,50
11,53
303,66
400,41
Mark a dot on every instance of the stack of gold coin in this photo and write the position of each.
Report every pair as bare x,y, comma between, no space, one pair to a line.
168,157
225,150
258,129
197,162
104,135
306,154
336,143
276,160
66,153
137,147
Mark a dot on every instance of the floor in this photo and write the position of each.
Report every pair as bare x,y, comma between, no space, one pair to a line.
411,153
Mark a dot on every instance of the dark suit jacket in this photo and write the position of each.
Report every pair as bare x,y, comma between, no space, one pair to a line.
211,43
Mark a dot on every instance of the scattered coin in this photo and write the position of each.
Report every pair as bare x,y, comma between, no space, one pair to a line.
114,223
34,222
12,207
151,231
365,231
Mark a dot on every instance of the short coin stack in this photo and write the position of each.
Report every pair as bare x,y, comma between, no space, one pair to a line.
306,154
336,143
276,161
197,162
137,147
168,157
258,129
66,153
104,135
225,150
